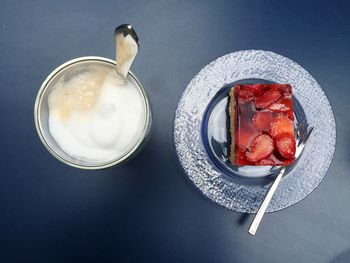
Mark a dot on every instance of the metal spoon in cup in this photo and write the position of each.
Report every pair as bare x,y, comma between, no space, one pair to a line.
127,45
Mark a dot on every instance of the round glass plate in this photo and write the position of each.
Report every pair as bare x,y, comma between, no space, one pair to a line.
201,144
216,138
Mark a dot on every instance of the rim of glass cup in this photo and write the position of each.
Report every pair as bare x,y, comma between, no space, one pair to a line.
117,161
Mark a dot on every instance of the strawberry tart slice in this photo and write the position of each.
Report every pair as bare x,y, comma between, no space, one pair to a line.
261,125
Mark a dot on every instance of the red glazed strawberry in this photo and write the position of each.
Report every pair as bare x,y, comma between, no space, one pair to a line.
285,144
282,105
261,147
266,162
282,124
262,120
245,96
266,98
247,93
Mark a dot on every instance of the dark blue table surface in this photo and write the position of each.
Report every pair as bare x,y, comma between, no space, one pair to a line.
147,210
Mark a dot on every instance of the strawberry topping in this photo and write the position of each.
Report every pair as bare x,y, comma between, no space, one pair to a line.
285,144
263,125
261,147
282,124
245,96
282,105
265,162
266,98
253,87
262,120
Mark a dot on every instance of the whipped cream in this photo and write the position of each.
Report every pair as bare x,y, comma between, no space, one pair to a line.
96,115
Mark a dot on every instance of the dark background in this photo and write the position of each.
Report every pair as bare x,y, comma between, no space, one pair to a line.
147,210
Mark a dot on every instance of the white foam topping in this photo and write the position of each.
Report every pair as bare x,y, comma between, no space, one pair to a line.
96,115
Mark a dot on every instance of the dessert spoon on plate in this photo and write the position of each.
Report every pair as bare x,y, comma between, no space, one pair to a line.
303,133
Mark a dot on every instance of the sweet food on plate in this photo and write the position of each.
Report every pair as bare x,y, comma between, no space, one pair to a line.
261,125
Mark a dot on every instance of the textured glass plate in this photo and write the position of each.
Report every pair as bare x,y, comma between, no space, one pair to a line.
245,191
215,126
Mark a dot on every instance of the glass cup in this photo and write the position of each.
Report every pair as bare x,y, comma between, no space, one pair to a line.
41,113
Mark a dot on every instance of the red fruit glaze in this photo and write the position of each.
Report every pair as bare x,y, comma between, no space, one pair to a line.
281,124
245,136
264,125
268,162
285,144
266,98
282,105
245,96
262,120
252,87
261,147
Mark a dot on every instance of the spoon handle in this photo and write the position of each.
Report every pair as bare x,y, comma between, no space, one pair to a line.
126,45
259,215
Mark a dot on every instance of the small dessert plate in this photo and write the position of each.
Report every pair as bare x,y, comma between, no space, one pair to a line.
201,132
215,133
